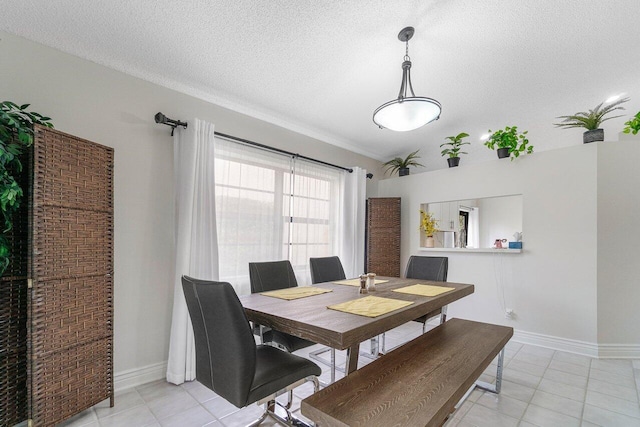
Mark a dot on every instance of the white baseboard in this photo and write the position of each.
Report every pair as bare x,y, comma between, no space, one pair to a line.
619,351
601,351
556,343
138,376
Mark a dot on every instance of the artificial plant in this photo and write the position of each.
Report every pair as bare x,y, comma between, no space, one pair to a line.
16,134
633,125
510,138
428,223
454,145
394,165
592,119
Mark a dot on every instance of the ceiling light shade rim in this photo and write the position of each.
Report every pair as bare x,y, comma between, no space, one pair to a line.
409,99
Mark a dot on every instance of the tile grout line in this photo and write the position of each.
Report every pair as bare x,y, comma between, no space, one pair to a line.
584,404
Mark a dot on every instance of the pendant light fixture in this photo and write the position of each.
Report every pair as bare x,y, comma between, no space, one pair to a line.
407,112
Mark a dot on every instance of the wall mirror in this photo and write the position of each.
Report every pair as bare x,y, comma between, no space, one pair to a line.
475,223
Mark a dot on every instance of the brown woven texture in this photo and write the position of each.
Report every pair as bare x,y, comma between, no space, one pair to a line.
70,338
13,313
70,381
383,236
13,352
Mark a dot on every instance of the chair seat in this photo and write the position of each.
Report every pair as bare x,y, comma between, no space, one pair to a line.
423,319
276,369
290,342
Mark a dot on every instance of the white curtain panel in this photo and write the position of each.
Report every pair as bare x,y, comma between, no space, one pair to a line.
250,209
196,249
314,205
352,216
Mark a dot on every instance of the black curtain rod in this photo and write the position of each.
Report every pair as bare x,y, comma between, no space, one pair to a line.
162,119
277,150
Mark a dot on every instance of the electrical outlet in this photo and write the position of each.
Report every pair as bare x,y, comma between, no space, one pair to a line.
509,313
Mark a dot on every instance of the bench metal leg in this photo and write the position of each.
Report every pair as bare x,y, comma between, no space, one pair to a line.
494,388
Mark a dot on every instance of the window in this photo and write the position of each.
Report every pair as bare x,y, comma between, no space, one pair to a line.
271,207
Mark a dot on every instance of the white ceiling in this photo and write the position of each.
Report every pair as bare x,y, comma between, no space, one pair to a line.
322,67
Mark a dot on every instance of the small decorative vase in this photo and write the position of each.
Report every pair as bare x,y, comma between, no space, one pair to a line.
453,161
593,136
430,242
403,171
503,153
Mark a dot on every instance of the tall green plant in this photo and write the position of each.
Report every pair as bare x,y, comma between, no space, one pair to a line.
16,134
592,119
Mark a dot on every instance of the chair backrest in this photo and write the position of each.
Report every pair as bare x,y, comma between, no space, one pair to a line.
326,269
269,276
427,268
225,348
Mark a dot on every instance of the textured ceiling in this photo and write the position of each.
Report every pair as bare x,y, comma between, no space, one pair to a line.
322,67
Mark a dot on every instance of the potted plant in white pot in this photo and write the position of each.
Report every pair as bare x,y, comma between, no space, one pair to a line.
509,142
401,165
453,149
591,120
429,225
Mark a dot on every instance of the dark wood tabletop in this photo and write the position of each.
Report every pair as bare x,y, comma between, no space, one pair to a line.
309,317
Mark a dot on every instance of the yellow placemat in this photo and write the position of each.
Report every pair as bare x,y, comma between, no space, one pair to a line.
424,290
296,292
355,282
370,306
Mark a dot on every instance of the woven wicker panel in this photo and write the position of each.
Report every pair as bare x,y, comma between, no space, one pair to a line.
70,381
71,305
77,311
74,173
383,236
13,312
72,242
13,352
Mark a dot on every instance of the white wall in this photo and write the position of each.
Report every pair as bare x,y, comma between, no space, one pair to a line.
618,242
552,285
111,108
500,218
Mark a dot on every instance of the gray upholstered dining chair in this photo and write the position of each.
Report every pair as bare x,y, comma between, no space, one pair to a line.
229,362
269,276
426,268
326,269
429,268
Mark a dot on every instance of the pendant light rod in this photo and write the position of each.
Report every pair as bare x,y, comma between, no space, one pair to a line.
408,111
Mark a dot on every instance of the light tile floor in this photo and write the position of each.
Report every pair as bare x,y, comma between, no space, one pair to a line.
541,387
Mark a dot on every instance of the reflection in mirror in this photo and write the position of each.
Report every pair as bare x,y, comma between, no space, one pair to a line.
490,222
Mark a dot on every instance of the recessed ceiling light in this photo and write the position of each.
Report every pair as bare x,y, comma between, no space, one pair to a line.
614,97
485,137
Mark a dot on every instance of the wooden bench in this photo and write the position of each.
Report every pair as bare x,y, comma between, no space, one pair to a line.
417,384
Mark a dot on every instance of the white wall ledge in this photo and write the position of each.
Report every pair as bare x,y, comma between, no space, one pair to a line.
472,250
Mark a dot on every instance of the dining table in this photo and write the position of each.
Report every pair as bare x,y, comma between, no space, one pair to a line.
310,318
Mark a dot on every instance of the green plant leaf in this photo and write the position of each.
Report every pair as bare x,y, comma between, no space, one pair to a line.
16,133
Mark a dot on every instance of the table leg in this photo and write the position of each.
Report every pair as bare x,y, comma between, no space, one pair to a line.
352,358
